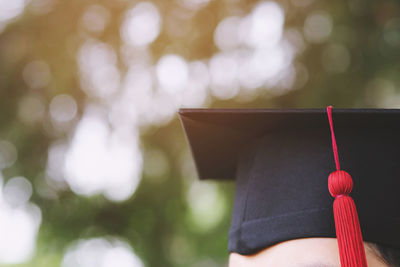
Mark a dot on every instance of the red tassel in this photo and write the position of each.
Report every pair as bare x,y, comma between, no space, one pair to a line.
348,231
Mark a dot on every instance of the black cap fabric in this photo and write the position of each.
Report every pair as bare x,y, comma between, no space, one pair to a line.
281,160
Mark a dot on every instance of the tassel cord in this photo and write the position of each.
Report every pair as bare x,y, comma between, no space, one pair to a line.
348,231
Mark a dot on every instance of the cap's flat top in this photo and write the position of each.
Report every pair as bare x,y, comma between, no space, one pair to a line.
216,136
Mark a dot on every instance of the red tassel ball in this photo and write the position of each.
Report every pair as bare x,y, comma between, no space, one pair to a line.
340,183
347,225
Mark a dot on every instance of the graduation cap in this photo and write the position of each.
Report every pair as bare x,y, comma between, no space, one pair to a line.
281,160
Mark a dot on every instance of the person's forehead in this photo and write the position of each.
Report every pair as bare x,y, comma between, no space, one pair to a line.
317,264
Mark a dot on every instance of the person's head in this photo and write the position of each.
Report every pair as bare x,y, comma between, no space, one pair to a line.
313,252
281,160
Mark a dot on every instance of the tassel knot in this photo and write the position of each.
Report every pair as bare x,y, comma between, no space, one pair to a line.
340,183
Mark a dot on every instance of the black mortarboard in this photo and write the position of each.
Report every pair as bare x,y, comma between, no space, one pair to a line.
281,160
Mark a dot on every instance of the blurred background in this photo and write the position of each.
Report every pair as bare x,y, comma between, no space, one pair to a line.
94,167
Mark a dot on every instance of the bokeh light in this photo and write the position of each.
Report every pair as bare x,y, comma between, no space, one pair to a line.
100,76
95,18
224,76
141,25
382,91
263,26
55,165
318,27
63,108
19,221
11,9
8,154
226,35
195,4
17,191
101,252
206,205
41,7
172,73
101,160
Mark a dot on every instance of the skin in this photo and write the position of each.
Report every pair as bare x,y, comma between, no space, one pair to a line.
305,252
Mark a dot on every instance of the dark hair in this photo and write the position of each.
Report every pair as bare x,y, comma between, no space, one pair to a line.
389,255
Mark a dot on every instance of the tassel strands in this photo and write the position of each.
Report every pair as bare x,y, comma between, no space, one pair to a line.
348,231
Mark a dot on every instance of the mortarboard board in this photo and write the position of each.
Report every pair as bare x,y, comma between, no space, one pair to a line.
281,160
